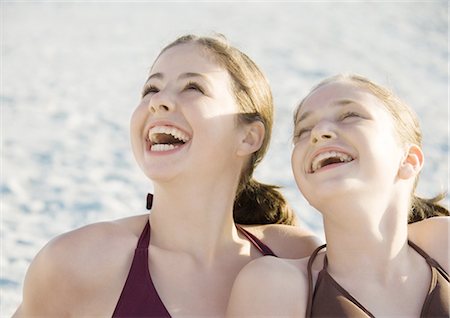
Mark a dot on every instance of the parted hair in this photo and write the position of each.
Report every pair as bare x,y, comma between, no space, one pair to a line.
255,202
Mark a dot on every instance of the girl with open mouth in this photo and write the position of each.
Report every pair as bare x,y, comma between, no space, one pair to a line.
356,159
201,127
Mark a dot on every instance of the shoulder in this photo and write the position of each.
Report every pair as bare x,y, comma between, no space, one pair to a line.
269,286
274,270
77,248
72,266
432,235
287,241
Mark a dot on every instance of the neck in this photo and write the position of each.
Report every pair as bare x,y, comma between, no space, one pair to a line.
194,217
367,233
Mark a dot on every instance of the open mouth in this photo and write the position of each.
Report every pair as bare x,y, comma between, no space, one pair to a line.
164,138
329,158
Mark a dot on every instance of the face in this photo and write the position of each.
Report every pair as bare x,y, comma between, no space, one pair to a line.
344,143
186,120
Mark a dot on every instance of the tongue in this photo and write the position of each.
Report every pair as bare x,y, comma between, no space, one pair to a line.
330,161
165,139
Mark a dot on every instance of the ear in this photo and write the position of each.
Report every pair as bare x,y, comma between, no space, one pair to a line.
412,163
251,139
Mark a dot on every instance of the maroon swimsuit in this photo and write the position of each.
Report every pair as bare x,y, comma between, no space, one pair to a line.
139,297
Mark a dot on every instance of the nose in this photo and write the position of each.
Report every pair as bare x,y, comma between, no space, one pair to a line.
322,132
160,103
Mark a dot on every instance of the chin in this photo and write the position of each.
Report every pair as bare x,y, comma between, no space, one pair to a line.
328,191
160,173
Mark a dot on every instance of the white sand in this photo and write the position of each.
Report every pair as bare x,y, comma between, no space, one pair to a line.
72,75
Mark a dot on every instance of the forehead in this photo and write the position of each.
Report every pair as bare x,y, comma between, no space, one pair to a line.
185,58
340,92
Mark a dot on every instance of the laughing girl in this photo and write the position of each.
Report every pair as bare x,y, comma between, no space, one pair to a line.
201,127
356,159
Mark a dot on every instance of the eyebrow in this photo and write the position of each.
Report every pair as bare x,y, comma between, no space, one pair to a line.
342,102
156,75
191,74
160,76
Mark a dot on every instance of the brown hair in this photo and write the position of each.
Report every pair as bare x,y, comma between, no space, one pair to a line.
255,203
408,129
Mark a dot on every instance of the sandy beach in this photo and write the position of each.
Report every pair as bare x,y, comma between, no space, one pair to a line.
72,73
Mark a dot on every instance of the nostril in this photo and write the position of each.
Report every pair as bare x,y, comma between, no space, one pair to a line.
154,109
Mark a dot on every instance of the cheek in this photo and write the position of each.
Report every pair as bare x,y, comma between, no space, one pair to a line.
297,164
137,123
219,130
138,118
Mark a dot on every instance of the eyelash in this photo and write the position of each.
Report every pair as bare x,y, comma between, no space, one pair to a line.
349,114
193,85
149,89
153,89
342,117
301,132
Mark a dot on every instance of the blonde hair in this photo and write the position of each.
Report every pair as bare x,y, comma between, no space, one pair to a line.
255,203
407,127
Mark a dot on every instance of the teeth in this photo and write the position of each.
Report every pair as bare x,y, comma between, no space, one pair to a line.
162,147
178,134
320,158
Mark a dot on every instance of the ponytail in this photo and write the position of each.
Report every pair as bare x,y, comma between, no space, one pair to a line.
258,203
426,208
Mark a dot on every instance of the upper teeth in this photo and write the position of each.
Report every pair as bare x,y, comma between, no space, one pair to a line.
320,158
175,132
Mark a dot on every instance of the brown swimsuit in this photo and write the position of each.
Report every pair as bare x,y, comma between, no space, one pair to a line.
330,299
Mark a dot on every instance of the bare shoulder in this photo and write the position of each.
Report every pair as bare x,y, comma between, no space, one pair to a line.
287,241
432,235
269,286
68,271
77,248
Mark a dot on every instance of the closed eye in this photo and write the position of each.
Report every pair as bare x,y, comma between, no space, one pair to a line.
194,86
349,115
301,133
149,89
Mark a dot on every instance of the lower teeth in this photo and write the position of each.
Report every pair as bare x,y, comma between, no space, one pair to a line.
162,147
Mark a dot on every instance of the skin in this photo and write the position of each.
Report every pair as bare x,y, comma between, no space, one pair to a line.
364,204
194,241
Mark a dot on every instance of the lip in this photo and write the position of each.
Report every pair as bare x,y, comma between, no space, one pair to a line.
327,149
167,124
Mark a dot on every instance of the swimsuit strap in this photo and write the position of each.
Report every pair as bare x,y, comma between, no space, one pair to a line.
144,239
310,279
421,252
431,261
263,248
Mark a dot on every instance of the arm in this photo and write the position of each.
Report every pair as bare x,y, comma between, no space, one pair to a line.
268,287
432,235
